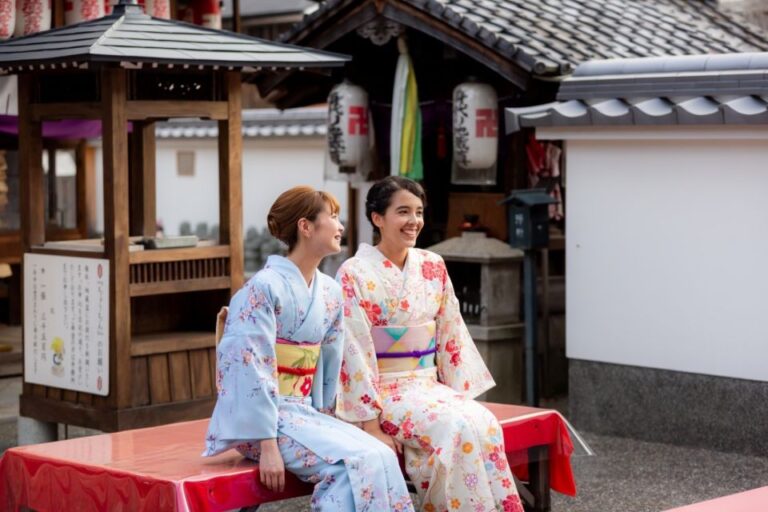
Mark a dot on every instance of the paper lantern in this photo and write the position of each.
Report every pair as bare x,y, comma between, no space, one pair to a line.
7,18
77,11
32,16
348,124
108,7
157,8
475,125
207,13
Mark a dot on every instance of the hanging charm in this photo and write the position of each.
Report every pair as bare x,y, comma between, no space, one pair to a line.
380,31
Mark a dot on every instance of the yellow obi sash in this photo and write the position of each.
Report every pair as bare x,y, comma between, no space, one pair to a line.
402,348
296,365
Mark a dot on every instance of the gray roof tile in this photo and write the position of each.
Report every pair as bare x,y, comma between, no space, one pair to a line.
689,90
130,35
555,36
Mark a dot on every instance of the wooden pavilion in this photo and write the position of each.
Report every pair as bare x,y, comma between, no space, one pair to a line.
129,70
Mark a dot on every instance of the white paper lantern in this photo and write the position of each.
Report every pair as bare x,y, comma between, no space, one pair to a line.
77,11
32,16
7,18
348,124
157,8
475,125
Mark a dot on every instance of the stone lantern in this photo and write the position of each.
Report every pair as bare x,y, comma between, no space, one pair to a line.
486,277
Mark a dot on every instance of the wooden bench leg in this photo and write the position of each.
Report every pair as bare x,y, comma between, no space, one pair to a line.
538,474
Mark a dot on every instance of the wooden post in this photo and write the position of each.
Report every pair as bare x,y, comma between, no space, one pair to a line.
115,149
86,189
351,227
53,201
32,193
231,180
143,218
236,23
538,473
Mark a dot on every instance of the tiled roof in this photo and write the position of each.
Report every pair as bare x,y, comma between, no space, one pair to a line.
691,90
257,123
259,8
129,35
554,36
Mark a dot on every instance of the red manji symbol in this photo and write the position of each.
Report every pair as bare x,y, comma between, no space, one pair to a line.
486,122
358,120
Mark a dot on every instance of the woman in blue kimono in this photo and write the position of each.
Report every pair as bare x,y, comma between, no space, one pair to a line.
278,366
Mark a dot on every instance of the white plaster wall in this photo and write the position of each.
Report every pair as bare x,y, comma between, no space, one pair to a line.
667,254
270,166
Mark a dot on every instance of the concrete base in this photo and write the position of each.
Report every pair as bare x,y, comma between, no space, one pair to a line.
32,431
670,407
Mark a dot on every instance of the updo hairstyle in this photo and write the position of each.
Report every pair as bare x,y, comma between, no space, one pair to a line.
302,202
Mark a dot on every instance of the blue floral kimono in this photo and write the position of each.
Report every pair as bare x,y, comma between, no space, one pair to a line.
278,366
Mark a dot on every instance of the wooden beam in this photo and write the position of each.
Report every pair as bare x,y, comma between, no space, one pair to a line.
417,19
54,111
180,286
181,254
166,342
231,180
143,110
143,202
115,150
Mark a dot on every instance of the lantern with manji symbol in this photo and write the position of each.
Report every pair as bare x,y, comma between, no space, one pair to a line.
207,13
475,125
7,18
32,16
348,126
157,8
77,11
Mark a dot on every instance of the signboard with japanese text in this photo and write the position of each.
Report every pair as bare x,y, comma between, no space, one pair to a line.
66,322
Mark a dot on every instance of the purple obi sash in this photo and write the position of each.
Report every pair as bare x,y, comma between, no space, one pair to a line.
402,348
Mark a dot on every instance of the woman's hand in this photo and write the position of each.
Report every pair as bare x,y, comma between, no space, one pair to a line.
373,428
271,466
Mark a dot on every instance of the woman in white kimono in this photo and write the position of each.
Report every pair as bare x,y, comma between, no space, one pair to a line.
278,366
410,369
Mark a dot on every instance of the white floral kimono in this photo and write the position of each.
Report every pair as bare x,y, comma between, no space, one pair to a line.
277,368
409,360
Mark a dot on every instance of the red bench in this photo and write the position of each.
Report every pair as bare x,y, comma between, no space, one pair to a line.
755,500
160,469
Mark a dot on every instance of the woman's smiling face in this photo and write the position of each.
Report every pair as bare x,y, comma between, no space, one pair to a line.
402,221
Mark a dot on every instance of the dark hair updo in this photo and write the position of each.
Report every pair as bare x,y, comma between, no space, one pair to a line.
379,196
291,206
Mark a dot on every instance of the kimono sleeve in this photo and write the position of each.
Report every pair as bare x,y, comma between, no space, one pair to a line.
459,364
358,398
246,373
326,381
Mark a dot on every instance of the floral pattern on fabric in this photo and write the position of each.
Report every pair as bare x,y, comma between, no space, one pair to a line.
351,470
454,449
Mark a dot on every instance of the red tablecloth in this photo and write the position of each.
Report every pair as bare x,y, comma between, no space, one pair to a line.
160,468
